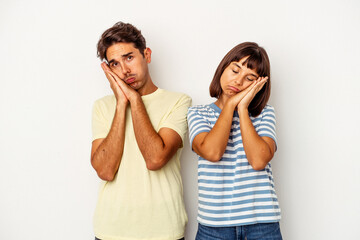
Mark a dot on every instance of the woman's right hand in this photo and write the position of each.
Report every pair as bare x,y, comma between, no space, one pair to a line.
121,98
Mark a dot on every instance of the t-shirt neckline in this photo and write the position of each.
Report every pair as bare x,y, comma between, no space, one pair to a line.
151,95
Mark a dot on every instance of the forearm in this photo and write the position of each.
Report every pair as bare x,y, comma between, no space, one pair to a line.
149,141
213,145
257,150
106,158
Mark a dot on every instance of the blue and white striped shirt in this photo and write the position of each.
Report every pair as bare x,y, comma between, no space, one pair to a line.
231,192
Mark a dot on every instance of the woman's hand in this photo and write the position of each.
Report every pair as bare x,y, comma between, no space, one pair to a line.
251,92
236,99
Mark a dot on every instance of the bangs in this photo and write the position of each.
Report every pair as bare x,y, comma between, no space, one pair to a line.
257,63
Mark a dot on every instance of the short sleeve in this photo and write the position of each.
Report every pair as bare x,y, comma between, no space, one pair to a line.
100,127
267,127
197,124
176,120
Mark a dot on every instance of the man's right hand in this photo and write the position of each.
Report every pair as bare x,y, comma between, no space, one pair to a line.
121,98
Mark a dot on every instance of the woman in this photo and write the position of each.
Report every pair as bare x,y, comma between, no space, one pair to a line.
235,140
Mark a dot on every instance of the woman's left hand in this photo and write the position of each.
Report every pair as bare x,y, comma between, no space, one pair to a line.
245,102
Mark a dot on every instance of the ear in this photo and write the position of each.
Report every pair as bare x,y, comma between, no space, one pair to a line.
147,55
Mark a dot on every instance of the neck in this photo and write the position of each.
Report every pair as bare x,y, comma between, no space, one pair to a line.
148,88
221,101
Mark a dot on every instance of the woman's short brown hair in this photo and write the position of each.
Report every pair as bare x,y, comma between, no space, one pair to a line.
258,60
120,32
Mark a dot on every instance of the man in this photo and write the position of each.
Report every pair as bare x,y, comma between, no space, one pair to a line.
138,135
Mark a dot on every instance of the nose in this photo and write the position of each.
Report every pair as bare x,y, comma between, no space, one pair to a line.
124,69
240,80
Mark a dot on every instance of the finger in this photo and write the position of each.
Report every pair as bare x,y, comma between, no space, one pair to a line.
114,78
110,78
260,84
250,87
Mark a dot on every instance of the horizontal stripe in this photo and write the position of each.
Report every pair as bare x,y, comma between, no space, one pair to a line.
237,181
250,192
246,215
235,223
235,207
234,189
239,201
240,214
229,174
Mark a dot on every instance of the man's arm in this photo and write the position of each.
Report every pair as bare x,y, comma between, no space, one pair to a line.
106,152
156,148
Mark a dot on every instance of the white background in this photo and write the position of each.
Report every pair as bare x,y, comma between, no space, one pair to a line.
50,77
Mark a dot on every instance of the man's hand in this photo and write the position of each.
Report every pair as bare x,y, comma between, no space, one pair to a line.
121,98
129,93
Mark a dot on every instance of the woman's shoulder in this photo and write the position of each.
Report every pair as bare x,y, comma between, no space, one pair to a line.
203,110
201,107
267,113
268,109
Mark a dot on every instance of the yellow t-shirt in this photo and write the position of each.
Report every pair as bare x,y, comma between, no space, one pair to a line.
139,203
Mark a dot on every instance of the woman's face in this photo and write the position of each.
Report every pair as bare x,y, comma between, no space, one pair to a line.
236,77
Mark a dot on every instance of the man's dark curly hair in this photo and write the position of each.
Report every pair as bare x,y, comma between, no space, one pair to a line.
120,32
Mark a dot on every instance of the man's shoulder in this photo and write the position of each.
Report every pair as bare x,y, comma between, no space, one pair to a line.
105,105
106,100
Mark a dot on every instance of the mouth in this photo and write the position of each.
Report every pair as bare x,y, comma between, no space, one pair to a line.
234,89
130,80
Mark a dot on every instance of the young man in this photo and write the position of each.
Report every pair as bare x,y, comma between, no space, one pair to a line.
138,135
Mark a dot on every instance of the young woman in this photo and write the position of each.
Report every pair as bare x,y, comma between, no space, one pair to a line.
235,140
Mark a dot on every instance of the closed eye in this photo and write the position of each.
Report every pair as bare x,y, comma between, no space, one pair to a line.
235,71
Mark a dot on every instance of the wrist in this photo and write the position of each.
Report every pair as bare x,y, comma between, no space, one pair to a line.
121,104
231,103
135,98
243,110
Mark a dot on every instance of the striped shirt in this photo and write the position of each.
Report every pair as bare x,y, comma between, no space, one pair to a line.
231,192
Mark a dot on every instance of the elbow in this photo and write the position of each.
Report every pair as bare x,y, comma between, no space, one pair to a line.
105,173
106,176
155,164
258,166
260,161
214,156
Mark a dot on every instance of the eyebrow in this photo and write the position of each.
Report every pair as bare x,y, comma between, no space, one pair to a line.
250,73
124,55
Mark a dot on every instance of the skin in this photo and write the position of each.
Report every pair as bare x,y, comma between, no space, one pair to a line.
239,86
129,78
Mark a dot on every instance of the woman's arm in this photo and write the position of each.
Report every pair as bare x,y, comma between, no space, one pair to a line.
211,145
259,150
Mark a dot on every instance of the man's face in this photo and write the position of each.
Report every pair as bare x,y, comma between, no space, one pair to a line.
129,64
